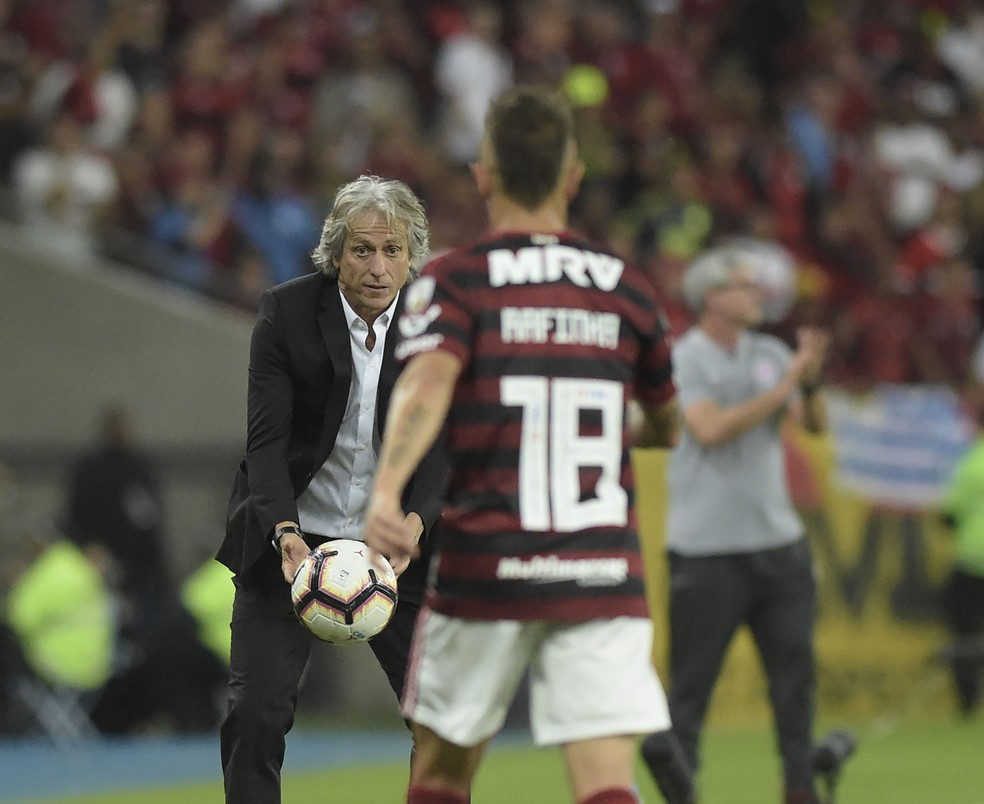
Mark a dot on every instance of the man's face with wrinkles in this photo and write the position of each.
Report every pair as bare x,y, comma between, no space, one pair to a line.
374,265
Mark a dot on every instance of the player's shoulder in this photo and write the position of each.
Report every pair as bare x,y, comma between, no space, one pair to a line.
466,256
527,257
631,277
467,266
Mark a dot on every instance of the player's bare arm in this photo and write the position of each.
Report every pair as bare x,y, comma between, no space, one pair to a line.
417,409
712,424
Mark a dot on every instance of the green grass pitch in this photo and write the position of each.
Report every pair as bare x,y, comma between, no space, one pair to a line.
915,763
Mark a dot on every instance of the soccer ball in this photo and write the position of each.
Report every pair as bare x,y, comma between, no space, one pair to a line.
343,592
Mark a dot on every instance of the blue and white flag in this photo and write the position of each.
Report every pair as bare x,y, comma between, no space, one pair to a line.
899,444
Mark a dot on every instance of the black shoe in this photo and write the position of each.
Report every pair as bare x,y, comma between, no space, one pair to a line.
669,767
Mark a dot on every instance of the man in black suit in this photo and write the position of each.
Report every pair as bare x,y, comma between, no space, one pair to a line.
321,370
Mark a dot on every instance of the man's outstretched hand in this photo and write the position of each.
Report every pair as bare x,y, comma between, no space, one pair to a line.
293,550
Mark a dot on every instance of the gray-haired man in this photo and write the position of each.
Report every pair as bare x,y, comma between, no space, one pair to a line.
321,371
737,551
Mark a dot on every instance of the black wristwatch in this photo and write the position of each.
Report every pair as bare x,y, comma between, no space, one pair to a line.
280,532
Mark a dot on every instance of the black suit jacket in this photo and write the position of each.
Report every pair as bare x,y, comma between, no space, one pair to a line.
300,370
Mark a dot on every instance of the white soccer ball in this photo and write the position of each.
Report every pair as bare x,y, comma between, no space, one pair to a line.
344,592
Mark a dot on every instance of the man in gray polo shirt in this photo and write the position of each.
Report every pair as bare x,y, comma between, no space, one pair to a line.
737,551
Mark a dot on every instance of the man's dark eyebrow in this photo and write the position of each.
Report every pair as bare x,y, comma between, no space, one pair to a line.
367,239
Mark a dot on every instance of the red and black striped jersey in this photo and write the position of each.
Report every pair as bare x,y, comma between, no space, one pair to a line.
554,336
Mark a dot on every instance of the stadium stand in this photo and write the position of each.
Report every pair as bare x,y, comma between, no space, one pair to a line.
202,137
201,140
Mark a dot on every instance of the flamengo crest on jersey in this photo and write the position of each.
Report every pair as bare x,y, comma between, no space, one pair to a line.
418,314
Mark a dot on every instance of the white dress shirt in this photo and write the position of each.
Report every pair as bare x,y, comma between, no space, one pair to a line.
334,503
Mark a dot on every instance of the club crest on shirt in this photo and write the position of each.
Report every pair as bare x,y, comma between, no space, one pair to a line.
419,294
414,324
766,373
419,312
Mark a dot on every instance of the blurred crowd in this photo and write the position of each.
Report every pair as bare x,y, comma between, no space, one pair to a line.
203,140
